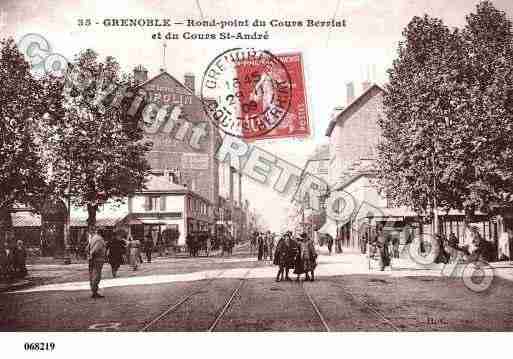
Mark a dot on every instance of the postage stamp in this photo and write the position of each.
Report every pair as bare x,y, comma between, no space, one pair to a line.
246,92
296,122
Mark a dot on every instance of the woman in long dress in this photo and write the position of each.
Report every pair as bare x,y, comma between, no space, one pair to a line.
115,250
306,259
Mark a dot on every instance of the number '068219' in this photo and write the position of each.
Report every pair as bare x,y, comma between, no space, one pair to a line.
40,346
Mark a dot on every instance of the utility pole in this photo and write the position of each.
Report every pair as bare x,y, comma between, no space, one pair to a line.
435,203
231,207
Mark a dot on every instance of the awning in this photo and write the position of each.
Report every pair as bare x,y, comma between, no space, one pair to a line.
151,221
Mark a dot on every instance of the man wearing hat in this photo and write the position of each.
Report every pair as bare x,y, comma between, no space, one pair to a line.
97,249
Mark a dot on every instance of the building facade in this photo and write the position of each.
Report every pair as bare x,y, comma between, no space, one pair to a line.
354,134
167,206
184,139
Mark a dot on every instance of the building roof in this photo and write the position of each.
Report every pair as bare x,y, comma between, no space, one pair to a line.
163,184
30,219
364,97
108,221
162,73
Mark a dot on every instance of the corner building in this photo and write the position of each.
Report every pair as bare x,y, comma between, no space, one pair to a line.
184,141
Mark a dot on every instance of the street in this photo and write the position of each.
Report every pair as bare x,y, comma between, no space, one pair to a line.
239,293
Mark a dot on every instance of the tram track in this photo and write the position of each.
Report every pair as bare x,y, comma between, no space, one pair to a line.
228,303
202,289
180,302
381,317
316,309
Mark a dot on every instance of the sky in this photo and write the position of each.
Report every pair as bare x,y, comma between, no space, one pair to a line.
332,56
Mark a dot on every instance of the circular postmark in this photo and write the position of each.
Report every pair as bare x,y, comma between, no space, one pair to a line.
246,92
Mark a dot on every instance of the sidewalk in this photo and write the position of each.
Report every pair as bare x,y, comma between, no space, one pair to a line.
15,285
354,262
170,269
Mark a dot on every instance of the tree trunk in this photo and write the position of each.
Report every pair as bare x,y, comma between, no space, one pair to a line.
6,228
91,216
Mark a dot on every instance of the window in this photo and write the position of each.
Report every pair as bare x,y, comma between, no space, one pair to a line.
163,203
153,203
147,203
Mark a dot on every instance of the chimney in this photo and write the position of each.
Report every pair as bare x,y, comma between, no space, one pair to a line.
189,81
140,74
350,92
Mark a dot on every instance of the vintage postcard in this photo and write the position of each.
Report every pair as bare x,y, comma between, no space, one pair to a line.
257,166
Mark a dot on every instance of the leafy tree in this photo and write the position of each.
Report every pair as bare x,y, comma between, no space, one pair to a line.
418,106
97,150
22,105
449,119
484,136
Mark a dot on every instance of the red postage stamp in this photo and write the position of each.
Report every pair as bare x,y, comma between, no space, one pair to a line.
295,122
254,94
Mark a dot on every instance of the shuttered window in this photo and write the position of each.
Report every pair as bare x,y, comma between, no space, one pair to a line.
163,203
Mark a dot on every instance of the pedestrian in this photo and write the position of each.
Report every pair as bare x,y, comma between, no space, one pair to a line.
148,246
115,251
20,258
231,244
395,246
338,243
4,273
208,243
271,246
282,257
329,242
260,245
253,243
504,246
279,257
188,243
306,258
382,242
160,245
133,252
266,246
96,255
10,260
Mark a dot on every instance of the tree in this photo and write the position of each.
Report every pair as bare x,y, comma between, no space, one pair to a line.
447,131
97,151
417,106
22,105
485,113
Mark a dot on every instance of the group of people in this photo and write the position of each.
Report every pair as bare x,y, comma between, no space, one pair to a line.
198,242
12,260
448,248
264,243
290,252
117,250
476,249
298,253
